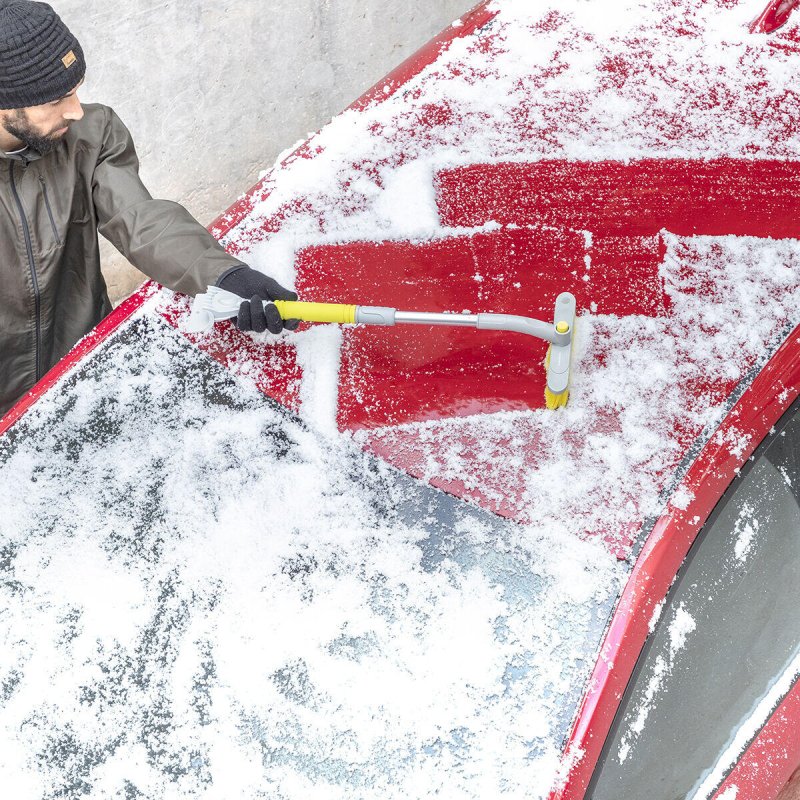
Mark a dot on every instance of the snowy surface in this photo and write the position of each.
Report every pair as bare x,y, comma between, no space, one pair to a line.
578,79
204,596
634,394
606,79
228,604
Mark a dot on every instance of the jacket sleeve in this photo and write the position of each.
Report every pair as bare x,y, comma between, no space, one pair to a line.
159,237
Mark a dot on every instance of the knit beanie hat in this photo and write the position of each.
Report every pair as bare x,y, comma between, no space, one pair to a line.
40,60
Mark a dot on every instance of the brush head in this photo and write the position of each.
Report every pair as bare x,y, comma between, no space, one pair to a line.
559,355
553,400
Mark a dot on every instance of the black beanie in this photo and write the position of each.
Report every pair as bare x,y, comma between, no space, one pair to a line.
40,60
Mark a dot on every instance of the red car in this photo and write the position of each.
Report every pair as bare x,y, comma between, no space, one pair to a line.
369,562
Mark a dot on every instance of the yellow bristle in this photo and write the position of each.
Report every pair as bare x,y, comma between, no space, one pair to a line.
553,400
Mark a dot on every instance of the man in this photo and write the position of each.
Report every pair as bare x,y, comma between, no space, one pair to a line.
66,172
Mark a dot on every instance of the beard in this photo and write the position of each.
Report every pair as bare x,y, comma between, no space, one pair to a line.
20,127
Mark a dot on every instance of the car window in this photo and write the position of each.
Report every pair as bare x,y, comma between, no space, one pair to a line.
728,634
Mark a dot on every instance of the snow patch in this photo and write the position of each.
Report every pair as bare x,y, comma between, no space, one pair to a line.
679,630
656,615
406,207
681,498
745,529
319,356
680,627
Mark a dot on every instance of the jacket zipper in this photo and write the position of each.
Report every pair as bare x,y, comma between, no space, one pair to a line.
49,210
36,296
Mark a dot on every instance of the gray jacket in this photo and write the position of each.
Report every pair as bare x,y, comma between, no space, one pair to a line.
51,209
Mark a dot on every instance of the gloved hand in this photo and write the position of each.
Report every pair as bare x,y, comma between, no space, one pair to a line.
257,287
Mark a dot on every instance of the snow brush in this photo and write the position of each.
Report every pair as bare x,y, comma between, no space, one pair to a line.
218,304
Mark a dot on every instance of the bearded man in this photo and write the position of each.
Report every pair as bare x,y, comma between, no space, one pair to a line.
67,172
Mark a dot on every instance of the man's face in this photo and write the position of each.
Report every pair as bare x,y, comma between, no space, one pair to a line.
42,127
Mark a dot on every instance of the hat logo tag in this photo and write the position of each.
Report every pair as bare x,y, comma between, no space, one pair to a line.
69,59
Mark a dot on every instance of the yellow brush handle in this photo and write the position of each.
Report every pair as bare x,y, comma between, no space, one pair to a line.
316,312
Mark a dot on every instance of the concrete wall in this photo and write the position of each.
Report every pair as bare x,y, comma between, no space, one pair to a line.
214,91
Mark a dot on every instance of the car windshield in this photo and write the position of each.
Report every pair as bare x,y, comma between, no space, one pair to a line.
199,589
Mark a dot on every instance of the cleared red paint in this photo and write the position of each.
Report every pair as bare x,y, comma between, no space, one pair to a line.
769,396
774,16
564,234
423,373
640,198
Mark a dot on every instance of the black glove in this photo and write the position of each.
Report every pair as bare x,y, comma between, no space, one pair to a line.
253,314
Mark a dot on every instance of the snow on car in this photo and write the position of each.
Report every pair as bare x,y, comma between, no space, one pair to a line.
357,562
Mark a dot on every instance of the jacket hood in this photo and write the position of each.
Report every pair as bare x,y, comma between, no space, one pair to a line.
27,155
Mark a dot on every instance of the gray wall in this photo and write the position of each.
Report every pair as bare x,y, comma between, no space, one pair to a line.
214,91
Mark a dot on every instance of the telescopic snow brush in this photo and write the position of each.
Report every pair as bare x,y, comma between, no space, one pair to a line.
218,304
